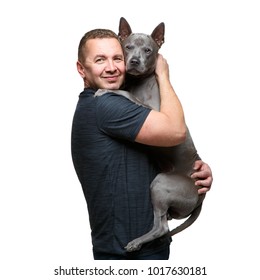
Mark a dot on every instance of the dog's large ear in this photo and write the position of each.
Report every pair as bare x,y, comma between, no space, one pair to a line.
124,29
158,34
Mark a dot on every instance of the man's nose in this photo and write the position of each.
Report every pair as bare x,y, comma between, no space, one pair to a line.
111,66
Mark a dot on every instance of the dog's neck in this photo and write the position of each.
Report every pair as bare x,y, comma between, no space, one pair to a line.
135,80
145,89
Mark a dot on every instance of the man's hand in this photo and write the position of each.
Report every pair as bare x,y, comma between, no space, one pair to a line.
203,176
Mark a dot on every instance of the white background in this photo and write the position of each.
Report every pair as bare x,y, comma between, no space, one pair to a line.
213,51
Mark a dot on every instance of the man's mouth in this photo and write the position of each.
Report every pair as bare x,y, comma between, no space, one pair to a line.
111,78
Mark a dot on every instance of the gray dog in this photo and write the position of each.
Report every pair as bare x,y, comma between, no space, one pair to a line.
173,192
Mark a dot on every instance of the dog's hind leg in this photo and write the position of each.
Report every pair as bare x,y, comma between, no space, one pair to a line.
192,218
160,228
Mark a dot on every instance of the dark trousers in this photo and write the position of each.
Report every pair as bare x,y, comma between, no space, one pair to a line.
162,254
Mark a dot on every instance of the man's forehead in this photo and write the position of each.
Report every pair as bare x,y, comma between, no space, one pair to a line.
106,43
104,47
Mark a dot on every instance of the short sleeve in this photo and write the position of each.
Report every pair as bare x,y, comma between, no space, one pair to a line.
119,117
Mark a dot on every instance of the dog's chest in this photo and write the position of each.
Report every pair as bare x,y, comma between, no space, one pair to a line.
147,91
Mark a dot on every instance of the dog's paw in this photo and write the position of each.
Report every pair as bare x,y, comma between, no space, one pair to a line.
100,92
133,246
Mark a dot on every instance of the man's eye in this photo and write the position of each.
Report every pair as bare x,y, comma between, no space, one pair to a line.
100,60
119,59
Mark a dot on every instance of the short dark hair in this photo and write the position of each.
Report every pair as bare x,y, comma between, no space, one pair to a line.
93,34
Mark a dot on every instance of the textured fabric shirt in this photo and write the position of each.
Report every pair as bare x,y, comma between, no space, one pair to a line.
114,171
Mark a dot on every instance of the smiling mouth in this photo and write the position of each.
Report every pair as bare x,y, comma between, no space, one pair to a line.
111,78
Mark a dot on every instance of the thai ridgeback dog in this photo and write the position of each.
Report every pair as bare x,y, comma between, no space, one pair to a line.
173,192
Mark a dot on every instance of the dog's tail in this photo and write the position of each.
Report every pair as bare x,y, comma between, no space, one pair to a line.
192,218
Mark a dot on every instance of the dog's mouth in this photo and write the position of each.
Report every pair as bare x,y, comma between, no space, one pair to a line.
134,72
137,72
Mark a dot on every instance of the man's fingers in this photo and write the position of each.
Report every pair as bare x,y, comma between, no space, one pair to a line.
203,190
200,174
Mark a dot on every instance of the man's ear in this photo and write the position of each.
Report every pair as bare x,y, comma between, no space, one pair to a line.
81,69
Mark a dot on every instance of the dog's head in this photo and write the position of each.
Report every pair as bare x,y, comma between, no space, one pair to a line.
140,49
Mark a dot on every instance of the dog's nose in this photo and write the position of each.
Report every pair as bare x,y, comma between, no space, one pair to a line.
135,61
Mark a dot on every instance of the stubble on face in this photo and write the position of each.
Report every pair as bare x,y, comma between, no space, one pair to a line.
104,64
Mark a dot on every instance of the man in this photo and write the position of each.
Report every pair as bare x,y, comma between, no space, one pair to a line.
110,149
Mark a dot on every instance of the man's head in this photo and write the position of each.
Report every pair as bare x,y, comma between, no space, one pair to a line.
101,60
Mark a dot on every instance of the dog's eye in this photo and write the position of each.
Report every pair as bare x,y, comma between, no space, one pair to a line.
148,51
129,47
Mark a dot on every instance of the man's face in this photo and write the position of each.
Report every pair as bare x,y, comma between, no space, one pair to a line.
104,65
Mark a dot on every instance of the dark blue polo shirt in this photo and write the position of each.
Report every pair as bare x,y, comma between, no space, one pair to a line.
114,171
